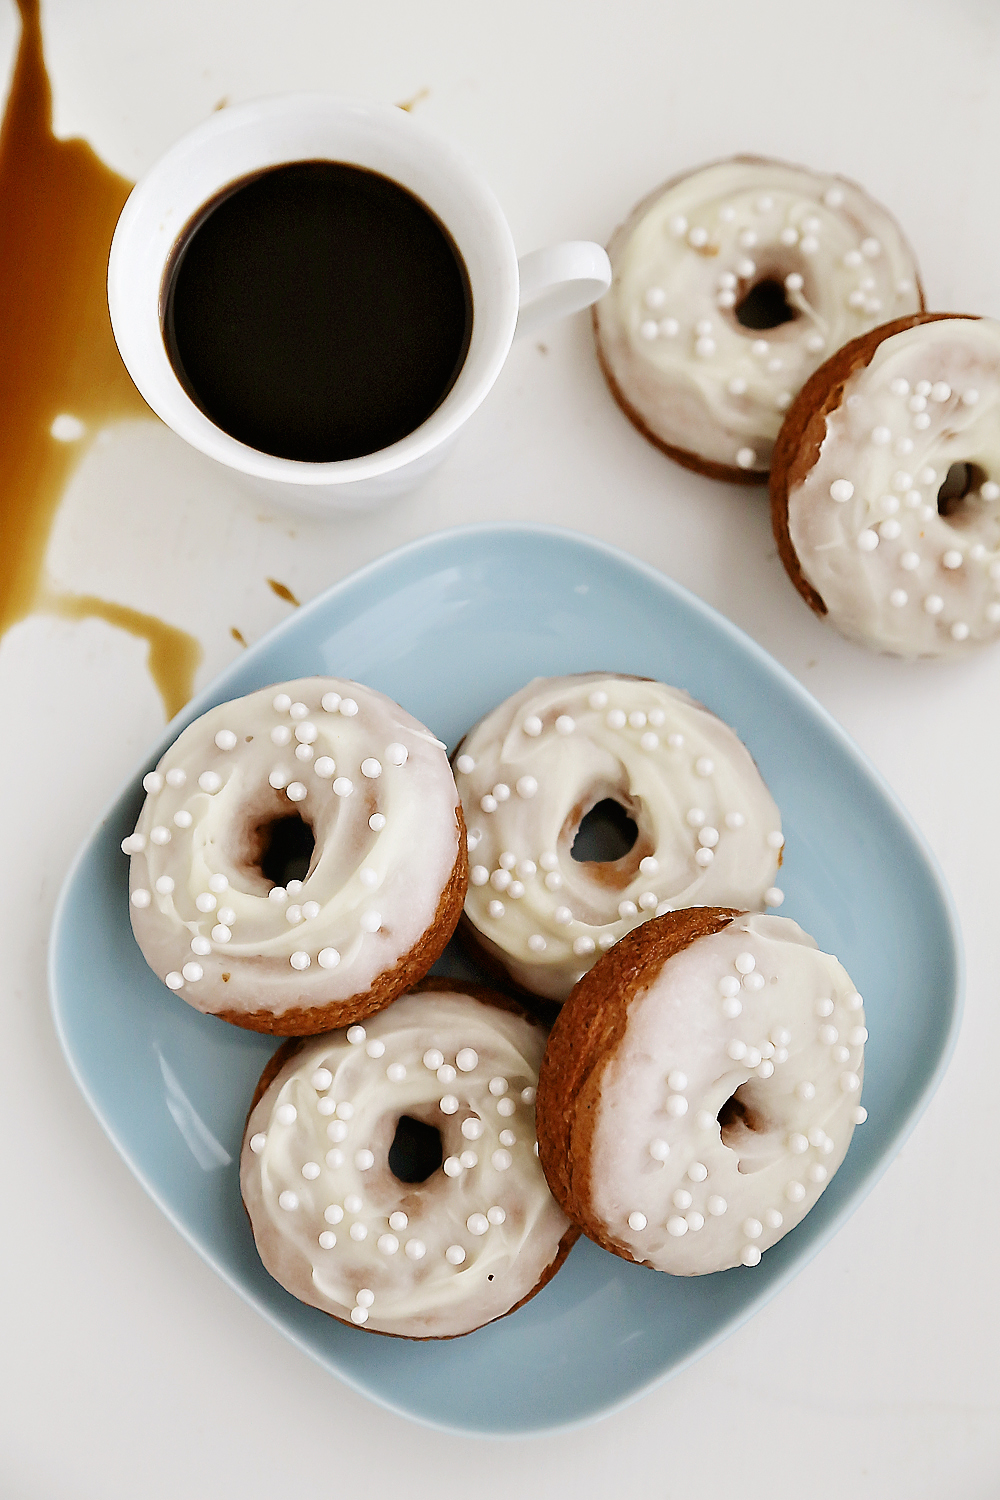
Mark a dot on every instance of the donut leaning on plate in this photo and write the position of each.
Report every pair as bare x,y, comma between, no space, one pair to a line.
319,776
390,1171
731,284
697,824
700,1088
885,487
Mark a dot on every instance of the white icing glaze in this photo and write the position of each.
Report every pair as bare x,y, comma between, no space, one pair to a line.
709,830
892,571
440,1257
712,1200
687,257
376,788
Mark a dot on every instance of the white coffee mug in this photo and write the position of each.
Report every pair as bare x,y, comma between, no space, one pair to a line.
235,143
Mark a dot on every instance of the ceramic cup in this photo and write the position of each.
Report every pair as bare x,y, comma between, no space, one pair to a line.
508,294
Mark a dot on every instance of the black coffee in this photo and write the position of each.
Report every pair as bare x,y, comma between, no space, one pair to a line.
317,311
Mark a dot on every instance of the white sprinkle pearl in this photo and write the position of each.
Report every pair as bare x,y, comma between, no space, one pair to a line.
454,1255
192,972
841,490
697,1171
659,1149
371,768
140,897
288,1200
717,1206
448,1104
677,1226
637,1220
750,1255
498,1086
745,963
477,1224
745,459
257,1143
506,1107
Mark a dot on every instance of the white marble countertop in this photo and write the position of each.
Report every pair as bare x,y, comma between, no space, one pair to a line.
129,1368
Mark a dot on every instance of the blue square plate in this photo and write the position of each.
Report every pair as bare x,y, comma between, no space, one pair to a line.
449,626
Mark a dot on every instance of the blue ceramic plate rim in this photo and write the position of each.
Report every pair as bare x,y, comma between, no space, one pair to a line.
423,553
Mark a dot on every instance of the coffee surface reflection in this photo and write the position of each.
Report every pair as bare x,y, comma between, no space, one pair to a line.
317,311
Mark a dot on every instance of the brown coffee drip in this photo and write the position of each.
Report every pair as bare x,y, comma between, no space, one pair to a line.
60,206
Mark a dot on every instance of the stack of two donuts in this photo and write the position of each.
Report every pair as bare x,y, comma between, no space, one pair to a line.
701,1082
764,321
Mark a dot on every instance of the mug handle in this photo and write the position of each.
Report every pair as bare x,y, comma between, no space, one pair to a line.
559,280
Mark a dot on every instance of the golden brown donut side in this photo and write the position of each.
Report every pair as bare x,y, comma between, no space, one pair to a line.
410,968
583,1041
804,428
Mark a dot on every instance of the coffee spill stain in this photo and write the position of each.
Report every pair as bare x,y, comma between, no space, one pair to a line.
418,98
237,635
59,204
173,654
283,592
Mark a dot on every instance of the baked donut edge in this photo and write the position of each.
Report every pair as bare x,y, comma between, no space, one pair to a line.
804,428
582,1043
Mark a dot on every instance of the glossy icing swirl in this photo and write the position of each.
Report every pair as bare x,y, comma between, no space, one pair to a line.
707,829
337,1229
832,263
730,1100
898,569
375,789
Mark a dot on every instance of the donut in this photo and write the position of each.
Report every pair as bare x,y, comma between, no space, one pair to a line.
731,285
886,483
684,816
300,857
700,1088
390,1171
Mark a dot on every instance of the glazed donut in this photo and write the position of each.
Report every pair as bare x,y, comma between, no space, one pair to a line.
731,285
428,1242
886,482
704,827
324,777
700,1088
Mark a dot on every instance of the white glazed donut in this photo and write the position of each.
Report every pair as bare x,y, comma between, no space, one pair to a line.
807,260
366,793
707,830
886,488
429,1258
700,1089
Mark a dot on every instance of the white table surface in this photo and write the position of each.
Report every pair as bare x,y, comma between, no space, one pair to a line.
127,1368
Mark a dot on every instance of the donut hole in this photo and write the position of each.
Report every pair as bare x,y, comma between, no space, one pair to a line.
606,833
764,305
286,849
962,482
747,1129
416,1151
